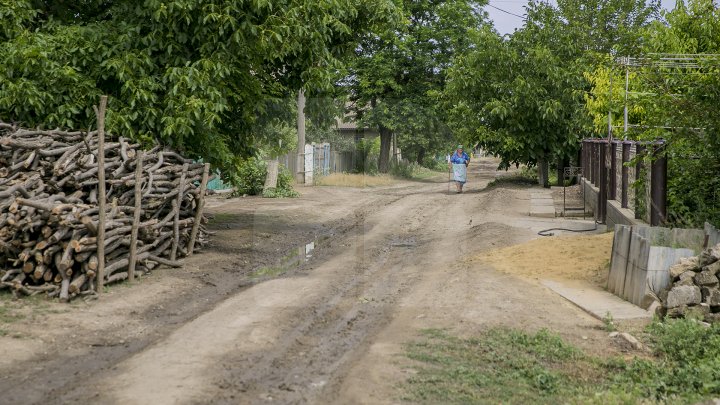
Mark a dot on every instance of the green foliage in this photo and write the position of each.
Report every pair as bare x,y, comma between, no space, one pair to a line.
196,75
688,366
675,104
521,97
284,187
250,176
402,169
509,366
523,177
368,150
437,164
609,322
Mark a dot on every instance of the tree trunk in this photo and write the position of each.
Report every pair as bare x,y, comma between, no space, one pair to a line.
561,163
272,175
421,156
394,149
300,175
385,141
543,173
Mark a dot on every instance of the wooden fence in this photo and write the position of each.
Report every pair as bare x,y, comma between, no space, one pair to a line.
324,160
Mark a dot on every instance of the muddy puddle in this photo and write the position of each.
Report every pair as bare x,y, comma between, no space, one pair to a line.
291,260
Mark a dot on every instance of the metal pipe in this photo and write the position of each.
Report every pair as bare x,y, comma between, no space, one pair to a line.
658,186
613,171
625,171
627,82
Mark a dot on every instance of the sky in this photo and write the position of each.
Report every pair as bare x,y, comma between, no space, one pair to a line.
505,22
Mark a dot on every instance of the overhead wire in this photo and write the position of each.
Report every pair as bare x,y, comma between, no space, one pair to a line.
507,12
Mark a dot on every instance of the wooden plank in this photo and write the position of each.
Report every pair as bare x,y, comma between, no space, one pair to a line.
132,256
178,203
200,205
101,195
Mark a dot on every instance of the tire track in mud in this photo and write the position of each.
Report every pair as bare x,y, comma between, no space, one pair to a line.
313,360
70,369
310,348
106,377
307,360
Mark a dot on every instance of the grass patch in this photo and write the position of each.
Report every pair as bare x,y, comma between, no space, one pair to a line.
522,177
8,314
423,173
500,366
510,366
354,180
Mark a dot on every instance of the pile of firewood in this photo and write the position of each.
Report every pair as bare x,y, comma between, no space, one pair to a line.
49,215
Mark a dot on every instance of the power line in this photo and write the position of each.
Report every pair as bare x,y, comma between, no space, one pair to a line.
507,12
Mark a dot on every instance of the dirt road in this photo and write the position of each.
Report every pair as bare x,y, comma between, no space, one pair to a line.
241,323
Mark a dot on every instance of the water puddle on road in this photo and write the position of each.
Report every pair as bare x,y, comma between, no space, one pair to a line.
291,260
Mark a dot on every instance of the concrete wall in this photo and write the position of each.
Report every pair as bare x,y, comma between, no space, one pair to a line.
615,214
642,257
591,194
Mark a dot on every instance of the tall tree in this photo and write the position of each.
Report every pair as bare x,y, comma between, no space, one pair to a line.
522,97
395,76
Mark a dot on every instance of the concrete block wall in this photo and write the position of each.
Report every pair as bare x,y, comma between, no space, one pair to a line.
642,256
615,214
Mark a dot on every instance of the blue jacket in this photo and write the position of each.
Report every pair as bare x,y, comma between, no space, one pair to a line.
460,159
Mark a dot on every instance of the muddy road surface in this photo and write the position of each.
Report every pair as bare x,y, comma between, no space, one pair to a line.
306,300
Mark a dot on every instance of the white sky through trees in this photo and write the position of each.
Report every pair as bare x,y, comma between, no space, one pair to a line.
501,13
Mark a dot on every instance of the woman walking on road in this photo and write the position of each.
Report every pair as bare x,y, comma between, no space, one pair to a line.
459,162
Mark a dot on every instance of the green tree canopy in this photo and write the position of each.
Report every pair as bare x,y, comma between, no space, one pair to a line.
192,74
396,76
522,96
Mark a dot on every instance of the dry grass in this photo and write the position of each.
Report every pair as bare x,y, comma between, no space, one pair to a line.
354,180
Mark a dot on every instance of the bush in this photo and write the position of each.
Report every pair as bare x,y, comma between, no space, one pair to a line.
368,153
284,185
250,177
438,165
250,180
402,169
688,368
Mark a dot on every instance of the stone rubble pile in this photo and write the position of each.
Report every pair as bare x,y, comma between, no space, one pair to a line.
695,288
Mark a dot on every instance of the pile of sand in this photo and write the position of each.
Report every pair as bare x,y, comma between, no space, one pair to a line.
559,258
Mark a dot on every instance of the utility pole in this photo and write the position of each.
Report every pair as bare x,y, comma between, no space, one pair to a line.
627,83
610,107
300,175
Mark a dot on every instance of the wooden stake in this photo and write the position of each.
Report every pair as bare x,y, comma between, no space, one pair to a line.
136,219
199,210
176,223
101,195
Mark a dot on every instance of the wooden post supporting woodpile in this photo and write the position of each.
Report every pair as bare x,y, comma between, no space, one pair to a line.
50,217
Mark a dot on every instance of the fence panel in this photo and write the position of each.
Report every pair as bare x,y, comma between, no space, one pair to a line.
608,167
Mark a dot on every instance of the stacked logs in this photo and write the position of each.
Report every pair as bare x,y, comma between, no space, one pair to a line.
49,210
